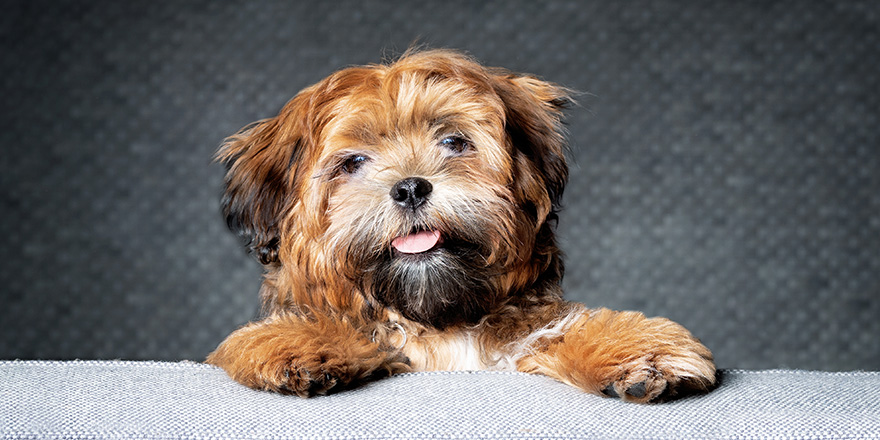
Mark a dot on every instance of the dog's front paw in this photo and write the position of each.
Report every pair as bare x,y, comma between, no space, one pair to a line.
326,370
652,378
304,376
290,355
654,359
625,355
639,381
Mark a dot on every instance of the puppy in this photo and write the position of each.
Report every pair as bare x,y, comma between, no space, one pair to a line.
404,214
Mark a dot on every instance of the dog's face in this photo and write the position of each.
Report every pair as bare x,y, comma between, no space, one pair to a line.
424,186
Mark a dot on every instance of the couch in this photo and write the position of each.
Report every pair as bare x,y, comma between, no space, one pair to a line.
187,400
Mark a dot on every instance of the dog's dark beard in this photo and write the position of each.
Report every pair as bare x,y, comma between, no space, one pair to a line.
441,288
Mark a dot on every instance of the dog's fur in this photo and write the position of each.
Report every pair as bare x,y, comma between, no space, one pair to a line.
432,142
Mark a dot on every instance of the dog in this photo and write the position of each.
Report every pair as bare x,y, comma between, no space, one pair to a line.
404,215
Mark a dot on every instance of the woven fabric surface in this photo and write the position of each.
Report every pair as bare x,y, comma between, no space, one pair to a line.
725,163
150,400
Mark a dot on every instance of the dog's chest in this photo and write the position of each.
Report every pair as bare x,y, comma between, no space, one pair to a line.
453,352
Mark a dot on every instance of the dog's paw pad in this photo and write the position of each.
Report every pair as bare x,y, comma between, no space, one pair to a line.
644,391
304,382
637,383
651,382
639,390
610,391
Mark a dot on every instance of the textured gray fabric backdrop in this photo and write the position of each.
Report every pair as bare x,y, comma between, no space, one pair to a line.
726,166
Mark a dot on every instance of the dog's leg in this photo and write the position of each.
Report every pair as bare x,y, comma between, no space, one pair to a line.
294,355
623,354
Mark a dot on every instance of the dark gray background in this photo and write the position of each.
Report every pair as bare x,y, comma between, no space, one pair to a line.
726,166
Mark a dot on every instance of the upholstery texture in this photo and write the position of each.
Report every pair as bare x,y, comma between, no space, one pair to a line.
725,163
150,400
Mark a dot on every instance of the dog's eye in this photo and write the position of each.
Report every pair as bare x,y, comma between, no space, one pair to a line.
456,144
353,163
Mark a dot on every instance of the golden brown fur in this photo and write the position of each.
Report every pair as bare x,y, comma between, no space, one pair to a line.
432,143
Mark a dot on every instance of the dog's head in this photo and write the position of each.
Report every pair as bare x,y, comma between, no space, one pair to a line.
428,186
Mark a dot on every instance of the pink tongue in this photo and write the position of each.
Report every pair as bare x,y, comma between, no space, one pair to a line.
415,243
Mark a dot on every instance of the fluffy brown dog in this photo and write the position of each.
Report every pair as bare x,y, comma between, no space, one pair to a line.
404,214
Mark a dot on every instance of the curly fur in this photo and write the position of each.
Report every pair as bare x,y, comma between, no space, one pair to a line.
311,191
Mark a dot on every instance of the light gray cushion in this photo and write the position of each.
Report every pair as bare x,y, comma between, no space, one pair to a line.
153,400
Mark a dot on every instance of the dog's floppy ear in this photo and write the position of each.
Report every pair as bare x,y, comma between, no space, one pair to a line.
533,121
261,173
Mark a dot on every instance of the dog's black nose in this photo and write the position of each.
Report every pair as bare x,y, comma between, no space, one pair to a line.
411,192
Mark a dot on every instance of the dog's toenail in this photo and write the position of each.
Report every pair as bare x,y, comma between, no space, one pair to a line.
638,390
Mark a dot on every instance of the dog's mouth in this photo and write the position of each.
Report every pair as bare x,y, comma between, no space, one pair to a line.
417,242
